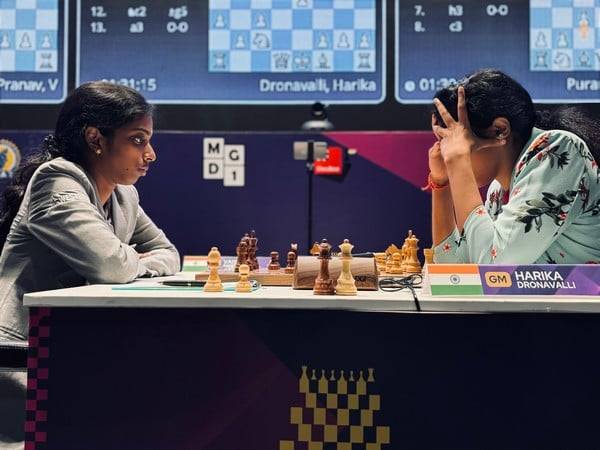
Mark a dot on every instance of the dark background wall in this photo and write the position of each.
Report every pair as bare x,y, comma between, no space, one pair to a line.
389,115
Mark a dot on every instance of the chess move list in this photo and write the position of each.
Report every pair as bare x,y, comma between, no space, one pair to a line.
318,85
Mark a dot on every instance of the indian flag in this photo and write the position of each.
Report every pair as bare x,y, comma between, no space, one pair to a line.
195,264
454,279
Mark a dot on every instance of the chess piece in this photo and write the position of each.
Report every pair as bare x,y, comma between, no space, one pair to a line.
380,259
324,283
364,41
294,248
25,41
562,41
243,285
274,264
428,253
584,25
46,41
364,61
323,61
322,41
252,261
412,263
345,282
220,21
4,43
584,59
261,41
260,21
540,40
304,383
315,249
342,384
242,254
396,268
219,61
404,253
540,59
291,262
213,283
343,41
240,41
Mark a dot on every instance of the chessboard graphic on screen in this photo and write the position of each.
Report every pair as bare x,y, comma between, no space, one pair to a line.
29,36
31,43
565,35
292,35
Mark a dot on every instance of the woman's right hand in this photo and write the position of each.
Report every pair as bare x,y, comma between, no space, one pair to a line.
437,167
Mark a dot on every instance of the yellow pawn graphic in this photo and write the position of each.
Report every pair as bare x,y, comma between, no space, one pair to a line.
213,284
243,285
345,283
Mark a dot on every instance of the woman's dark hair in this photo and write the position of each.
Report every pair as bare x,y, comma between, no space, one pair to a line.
103,105
491,94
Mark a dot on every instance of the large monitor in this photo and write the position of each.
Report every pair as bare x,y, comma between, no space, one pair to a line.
236,51
551,46
33,51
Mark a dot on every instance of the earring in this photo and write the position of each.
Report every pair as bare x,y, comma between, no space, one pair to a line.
98,151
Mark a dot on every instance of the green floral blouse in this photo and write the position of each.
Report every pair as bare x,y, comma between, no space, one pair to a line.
550,215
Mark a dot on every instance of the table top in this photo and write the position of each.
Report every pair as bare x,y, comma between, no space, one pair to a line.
145,293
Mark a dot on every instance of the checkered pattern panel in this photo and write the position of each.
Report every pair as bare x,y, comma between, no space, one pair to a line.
37,379
29,35
565,35
292,35
340,412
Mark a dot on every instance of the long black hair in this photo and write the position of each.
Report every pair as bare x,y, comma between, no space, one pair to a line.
491,94
105,106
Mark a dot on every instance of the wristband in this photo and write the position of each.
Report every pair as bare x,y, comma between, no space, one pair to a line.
432,186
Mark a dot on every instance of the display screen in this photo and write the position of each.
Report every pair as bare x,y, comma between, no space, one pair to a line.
236,51
551,46
33,56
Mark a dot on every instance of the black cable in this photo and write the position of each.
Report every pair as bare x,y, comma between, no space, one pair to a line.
397,284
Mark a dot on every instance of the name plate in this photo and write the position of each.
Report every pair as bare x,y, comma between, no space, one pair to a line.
491,279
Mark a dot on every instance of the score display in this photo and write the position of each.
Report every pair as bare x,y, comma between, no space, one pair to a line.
552,47
33,56
236,51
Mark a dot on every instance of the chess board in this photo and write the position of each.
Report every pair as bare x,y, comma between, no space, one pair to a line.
29,35
292,36
565,35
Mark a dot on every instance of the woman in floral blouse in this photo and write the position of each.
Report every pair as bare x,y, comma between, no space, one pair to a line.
543,201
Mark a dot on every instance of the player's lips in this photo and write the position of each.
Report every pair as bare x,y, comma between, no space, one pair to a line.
143,170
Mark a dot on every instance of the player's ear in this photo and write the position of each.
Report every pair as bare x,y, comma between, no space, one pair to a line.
94,139
500,129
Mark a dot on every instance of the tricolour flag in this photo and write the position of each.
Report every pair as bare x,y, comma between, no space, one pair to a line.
454,279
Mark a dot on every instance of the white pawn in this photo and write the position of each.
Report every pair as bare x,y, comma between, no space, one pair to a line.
540,41
345,283
220,21
240,42
46,41
260,21
243,285
562,41
364,41
4,43
322,41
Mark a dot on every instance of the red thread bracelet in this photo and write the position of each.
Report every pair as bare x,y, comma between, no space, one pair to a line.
432,186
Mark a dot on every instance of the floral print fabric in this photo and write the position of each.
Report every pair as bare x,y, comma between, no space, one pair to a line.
552,215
